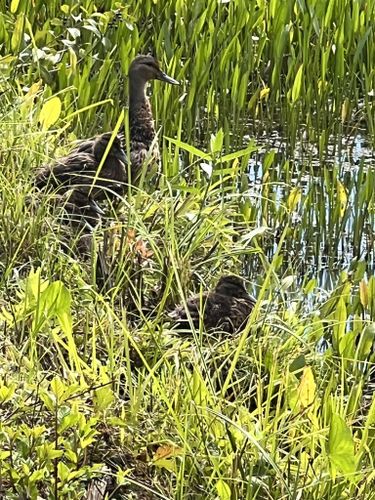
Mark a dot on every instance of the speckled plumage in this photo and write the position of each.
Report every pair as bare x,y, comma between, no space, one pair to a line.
226,307
142,138
78,169
143,145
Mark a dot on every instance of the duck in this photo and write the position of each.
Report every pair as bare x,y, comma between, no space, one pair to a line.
143,144
79,168
79,171
226,307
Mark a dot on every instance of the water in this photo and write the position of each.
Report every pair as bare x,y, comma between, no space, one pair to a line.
320,244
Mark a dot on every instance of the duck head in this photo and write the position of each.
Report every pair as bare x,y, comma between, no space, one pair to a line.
145,68
232,286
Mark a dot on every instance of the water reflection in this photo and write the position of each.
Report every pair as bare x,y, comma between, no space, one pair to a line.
321,242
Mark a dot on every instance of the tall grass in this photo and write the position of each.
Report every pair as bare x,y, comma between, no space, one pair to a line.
257,178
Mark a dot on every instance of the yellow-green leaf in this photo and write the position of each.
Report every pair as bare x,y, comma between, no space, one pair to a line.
223,490
170,465
342,196
17,33
103,397
14,6
294,198
296,90
341,446
34,89
307,387
366,341
50,113
363,293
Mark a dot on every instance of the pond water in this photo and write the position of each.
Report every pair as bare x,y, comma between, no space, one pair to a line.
332,228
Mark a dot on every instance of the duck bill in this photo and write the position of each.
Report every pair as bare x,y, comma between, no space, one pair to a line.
168,79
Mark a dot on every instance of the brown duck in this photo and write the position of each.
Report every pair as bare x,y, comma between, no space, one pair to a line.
143,144
226,307
79,169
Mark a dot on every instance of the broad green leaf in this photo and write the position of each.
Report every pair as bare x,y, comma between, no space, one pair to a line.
366,341
342,197
310,286
268,159
291,388
34,89
296,89
47,400
68,421
50,112
58,389
347,345
62,471
307,388
18,32
38,475
14,6
363,293
298,363
223,490
216,142
345,110
103,397
6,392
341,446
169,464
339,325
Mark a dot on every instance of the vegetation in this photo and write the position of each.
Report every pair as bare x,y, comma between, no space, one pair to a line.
267,171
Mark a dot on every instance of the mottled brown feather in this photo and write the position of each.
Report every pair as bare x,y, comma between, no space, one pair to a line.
79,168
226,307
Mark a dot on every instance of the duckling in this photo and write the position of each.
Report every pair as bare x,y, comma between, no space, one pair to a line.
142,130
78,170
226,307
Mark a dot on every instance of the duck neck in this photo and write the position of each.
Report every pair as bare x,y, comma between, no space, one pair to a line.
140,114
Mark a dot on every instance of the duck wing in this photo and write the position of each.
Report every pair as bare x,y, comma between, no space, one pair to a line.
217,311
74,169
85,146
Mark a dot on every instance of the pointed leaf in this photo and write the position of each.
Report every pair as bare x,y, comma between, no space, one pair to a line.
307,387
50,113
223,490
341,446
296,90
